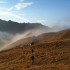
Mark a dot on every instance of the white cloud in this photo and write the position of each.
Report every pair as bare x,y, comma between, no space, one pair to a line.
3,2
20,6
10,8
16,16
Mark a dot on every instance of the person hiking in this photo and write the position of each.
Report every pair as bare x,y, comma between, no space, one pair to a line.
32,50
32,43
32,59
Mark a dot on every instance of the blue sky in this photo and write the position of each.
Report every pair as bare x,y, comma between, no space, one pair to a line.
47,12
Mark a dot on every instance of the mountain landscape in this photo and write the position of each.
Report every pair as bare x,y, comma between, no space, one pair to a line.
10,30
34,34
51,52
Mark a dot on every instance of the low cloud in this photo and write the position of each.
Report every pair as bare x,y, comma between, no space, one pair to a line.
42,21
14,38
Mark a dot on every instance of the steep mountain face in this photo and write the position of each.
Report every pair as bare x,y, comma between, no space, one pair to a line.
14,27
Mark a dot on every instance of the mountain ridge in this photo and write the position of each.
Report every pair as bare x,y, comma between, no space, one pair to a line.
15,27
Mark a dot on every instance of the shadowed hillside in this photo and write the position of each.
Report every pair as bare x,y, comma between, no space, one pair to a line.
51,54
15,27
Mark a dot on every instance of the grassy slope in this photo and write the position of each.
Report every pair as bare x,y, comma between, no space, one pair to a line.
51,55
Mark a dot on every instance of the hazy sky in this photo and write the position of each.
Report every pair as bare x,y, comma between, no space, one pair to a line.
48,12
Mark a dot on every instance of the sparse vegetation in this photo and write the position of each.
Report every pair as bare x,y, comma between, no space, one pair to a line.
53,54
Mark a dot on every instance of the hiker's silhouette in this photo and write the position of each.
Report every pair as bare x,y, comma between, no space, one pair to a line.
32,43
32,50
32,59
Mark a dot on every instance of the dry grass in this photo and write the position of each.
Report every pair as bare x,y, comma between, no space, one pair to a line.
52,55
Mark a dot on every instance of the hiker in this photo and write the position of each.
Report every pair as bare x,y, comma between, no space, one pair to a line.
32,59
32,43
32,50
